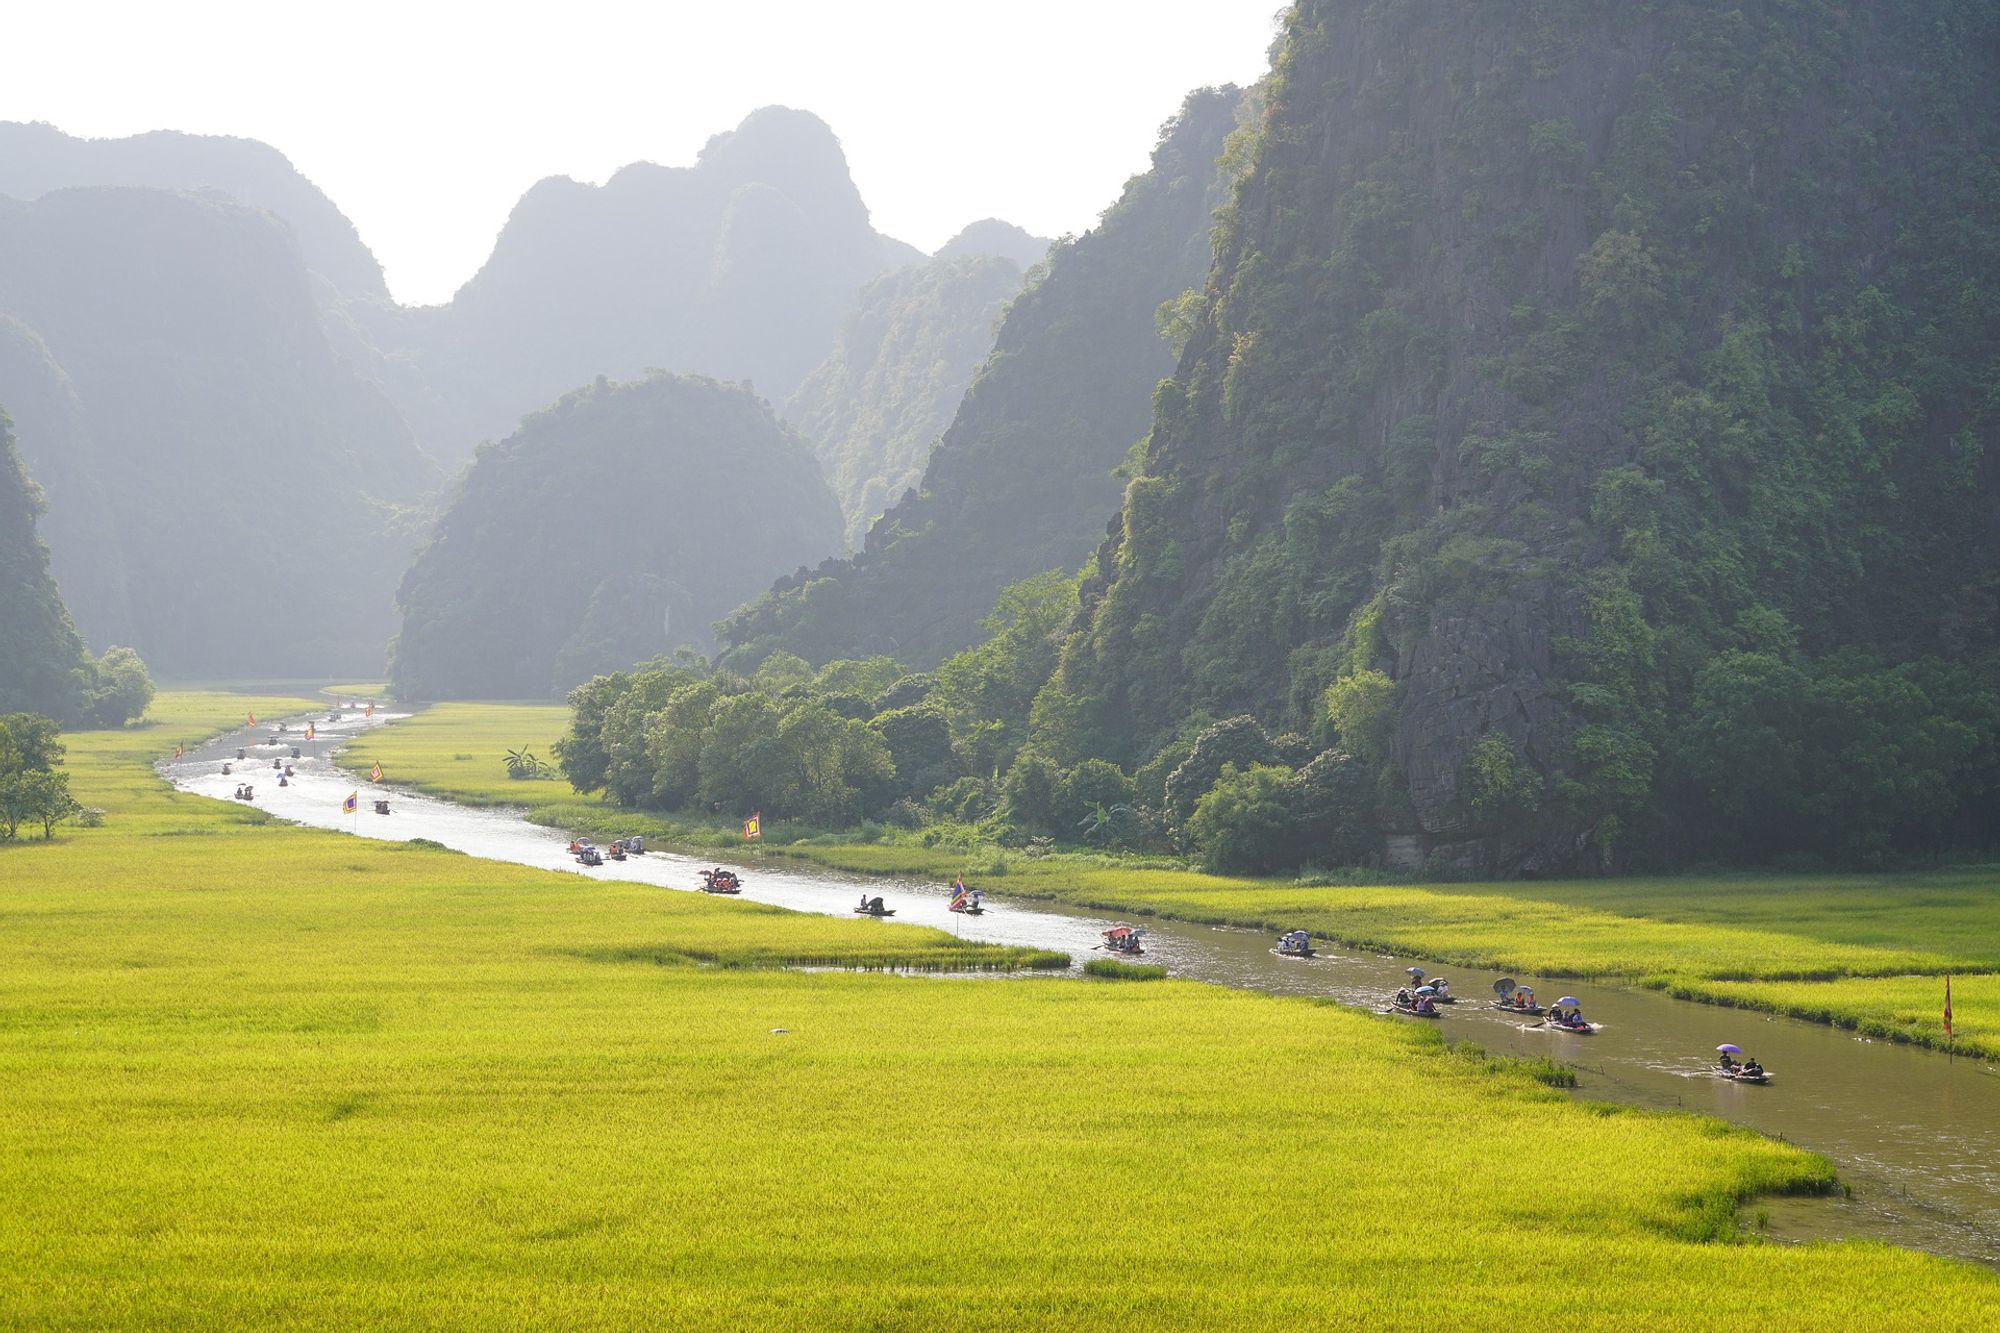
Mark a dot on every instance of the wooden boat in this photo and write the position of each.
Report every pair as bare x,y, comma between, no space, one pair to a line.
1306,952
616,853
1124,939
1580,1029
590,856
1532,1010
1736,1075
873,910
720,881
968,910
1398,1006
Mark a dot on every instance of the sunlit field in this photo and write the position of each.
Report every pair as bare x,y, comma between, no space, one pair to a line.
460,751
254,1074
1767,941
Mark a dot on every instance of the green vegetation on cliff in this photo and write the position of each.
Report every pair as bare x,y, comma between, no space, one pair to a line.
1022,481
874,407
1589,424
44,666
611,528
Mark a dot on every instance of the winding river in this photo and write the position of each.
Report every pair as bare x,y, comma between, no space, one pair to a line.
1916,1137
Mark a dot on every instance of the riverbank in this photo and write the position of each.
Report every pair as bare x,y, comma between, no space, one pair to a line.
1868,953
260,1073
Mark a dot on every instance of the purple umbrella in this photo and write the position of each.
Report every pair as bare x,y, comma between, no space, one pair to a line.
1569,999
1731,1047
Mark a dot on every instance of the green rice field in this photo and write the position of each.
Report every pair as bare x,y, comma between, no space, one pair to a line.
1863,951
257,1075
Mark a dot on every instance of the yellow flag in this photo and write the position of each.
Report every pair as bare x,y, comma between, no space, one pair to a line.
753,827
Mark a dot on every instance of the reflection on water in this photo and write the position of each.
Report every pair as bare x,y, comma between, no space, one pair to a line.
1916,1137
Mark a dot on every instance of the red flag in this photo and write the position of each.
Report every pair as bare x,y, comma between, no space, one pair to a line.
253,719
177,750
753,827
376,775
1947,1006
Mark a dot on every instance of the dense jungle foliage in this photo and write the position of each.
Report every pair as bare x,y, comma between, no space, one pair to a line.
1023,479
44,666
875,406
615,525
1589,423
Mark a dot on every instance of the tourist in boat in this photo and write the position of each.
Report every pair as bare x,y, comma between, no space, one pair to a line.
1441,986
1750,1068
1424,1005
1728,1065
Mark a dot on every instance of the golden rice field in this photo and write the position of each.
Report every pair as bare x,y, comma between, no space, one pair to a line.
256,1075
1866,951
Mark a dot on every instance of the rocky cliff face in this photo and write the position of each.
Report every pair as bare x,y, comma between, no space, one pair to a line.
1022,480
1553,353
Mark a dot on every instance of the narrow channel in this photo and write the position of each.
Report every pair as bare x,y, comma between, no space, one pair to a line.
1916,1137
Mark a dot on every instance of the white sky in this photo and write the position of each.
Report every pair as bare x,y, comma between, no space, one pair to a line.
425,122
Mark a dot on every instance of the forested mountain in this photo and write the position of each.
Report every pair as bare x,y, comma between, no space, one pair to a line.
1003,240
873,409
42,664
222,488
36,159
742,266
1022,480
1590,423
612,527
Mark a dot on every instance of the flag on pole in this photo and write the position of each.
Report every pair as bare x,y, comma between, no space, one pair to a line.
958,892
253,718
753,827
1947,1006
351,804
375,773
309,731
178,751
369,711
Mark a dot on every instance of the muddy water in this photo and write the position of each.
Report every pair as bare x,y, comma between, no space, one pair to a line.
1916,1137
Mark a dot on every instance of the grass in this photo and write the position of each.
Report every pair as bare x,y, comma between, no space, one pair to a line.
252,1074
1799,945
1113,970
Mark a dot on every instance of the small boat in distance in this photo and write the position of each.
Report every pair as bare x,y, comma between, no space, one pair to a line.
1293,944
873,907
719,880
1125,939
1514,997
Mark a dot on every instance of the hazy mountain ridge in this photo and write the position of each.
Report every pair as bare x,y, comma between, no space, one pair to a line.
36,159
610,528
1022,480
875,406
741,266
242,479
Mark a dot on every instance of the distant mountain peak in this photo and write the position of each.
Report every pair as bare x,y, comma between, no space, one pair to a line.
992,236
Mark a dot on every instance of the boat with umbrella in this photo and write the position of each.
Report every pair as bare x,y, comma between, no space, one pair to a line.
1512,996
1738,1071
1568,1017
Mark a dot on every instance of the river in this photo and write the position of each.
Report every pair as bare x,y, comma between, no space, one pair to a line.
1916,1137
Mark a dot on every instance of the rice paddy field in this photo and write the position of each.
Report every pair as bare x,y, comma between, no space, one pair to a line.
252,1074
1863,951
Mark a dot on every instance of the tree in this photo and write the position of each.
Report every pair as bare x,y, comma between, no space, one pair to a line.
124,688
1336,810
919,741
1031,796
1089,792
1247,820
1237,740
32,741
1362,710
